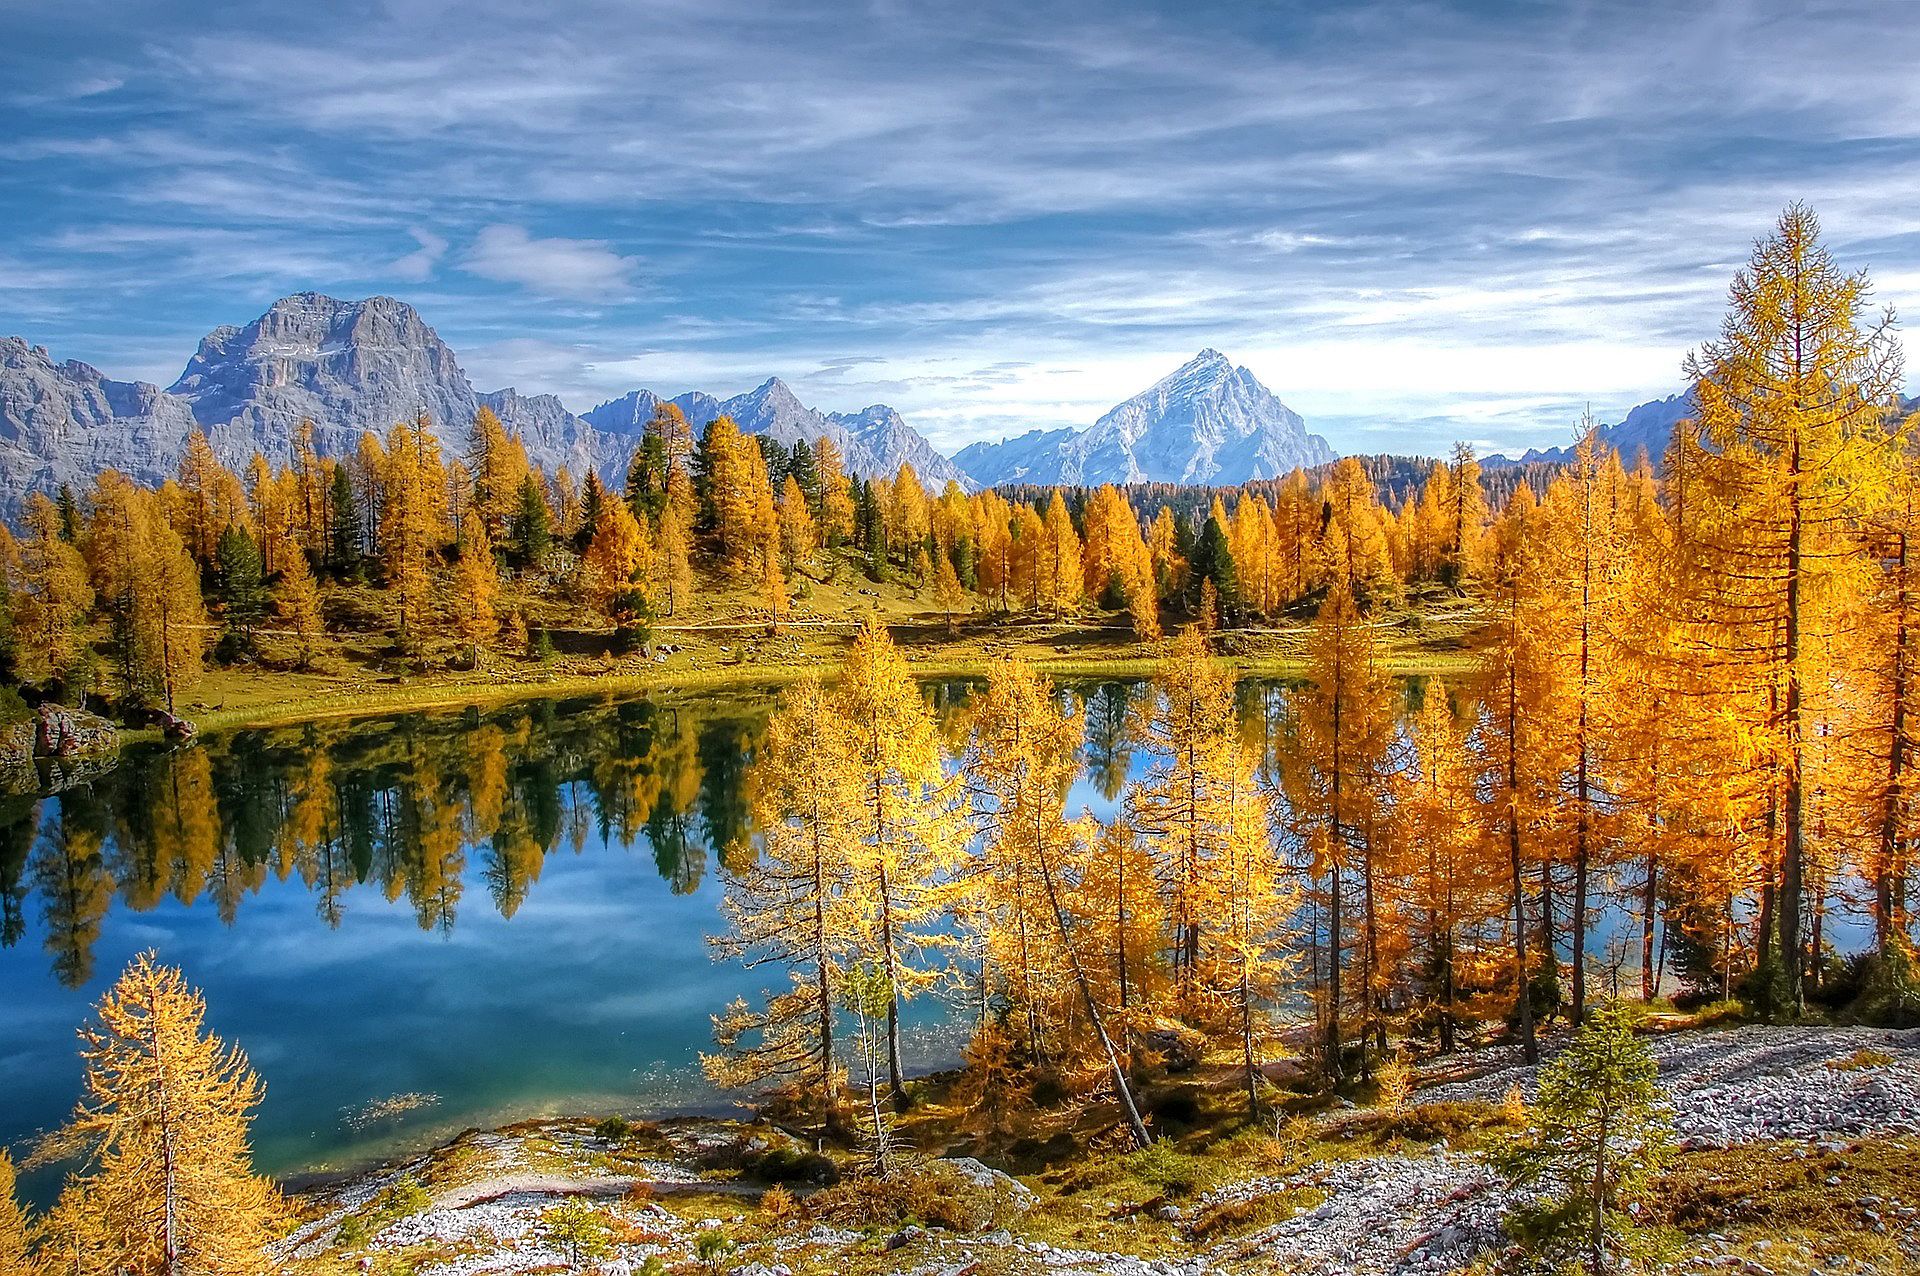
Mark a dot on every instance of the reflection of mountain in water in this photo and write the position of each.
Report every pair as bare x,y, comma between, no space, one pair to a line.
398,808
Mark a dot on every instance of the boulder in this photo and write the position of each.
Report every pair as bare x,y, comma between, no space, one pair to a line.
60,732
1003,1186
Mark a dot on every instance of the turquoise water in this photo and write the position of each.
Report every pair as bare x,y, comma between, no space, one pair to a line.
468,917
482,915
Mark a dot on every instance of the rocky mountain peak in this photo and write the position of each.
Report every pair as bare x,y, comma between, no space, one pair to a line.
1207,421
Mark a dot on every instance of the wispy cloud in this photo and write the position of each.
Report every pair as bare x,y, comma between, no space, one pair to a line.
418,265
1404,216
581,269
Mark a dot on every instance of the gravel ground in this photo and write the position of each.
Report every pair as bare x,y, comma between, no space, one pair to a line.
1753,1083
1383,1216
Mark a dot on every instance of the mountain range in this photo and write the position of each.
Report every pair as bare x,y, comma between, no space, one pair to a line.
351,366
1647,428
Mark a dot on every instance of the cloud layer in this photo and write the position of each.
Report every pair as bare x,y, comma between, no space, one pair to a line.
1415,221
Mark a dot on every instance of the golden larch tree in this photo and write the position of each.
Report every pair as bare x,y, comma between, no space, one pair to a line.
909,834
168,1187
1790,405
795,902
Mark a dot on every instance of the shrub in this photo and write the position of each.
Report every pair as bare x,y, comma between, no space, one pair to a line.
777,1203
1161,1165
577,1228
613,1129
12,708
786,1163
1889,990
931,1193
1392,1083
408,1196
711,1248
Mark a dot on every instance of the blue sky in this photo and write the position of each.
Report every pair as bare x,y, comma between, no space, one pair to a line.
1415,222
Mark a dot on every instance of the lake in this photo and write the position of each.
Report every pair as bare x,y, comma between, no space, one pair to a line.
425,923
419,924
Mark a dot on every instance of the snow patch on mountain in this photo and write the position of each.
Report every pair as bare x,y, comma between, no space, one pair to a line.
1208,421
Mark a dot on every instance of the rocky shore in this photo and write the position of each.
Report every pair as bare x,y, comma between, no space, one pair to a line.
54,748
558,1196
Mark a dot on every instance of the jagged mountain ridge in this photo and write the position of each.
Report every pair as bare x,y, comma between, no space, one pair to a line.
1648,428
875,440
350,366
1207,422
62,422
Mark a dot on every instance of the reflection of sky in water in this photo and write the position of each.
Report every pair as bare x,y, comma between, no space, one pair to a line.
595,995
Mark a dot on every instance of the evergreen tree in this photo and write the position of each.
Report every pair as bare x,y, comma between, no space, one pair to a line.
69,514
774,458
1599,1134
1212,560
592,501
241,586
344,547
647,478
709,457
533,525
805,471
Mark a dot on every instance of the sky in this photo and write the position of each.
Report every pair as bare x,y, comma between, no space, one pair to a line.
1415,222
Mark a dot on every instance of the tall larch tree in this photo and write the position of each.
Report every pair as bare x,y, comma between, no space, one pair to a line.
794,903
1791,404
49,595
1023,756
297,599
15,1257
168,1189
1341,731
909,833
1059,555
1181,802
476,590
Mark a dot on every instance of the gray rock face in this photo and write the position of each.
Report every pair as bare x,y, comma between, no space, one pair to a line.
349,367
65,422
875,441
1014,460
1647,428
1208,422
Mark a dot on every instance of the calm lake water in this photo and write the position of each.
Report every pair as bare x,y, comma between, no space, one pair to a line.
499,913
502,912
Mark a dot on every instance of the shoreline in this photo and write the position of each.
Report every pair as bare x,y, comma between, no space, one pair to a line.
355,702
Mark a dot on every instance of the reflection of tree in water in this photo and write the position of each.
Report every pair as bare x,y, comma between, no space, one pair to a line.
726,755
1109,747
407,807
19,818
70,875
